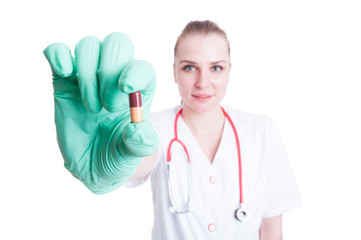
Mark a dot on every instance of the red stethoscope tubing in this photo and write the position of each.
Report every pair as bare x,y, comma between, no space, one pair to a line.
175,139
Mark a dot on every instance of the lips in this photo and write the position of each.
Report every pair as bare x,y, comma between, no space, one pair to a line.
202,97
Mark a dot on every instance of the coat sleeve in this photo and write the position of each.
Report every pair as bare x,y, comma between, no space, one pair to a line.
282,192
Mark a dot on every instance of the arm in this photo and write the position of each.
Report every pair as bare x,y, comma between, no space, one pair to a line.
145,167
271,228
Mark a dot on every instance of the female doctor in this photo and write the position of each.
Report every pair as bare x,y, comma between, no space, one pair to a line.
216,172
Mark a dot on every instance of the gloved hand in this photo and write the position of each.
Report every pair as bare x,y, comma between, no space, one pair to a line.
99,144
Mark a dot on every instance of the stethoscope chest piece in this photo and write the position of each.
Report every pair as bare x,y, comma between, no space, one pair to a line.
241,214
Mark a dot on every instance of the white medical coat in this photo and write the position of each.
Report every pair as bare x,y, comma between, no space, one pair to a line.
269,185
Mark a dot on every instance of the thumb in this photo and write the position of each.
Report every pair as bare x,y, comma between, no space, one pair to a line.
139,140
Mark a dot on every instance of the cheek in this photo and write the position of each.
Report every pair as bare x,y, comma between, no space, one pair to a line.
183,86
221,87
222,82
185,81
222,90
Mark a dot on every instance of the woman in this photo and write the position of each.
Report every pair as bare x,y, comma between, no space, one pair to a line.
199,203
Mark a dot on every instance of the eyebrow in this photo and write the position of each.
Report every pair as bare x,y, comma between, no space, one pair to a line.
191,62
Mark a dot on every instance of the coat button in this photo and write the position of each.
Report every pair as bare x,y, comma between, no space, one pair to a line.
212,227
213,179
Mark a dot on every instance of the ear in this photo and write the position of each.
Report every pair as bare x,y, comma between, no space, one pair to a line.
175,78
229,73
230,68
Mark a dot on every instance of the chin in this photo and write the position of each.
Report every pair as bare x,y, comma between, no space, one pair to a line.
201,107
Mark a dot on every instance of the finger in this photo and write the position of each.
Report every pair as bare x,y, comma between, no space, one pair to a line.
116,51
59,58
137,76
139,140
87,52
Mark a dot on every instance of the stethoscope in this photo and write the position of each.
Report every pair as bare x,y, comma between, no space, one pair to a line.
241,213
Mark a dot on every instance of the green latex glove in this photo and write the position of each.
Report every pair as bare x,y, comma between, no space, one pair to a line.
99,144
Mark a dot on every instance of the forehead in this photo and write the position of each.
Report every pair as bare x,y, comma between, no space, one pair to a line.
199,47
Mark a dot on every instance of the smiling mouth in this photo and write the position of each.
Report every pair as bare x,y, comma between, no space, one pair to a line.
202,97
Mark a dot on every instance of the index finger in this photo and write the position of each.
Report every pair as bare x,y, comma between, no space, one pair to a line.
138,75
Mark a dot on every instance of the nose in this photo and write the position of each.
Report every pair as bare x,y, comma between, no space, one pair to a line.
202,80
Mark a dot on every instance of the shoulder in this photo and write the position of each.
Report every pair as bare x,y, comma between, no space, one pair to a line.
163,121
164,116
258,130
249,120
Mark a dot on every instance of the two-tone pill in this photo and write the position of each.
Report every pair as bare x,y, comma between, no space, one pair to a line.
135,104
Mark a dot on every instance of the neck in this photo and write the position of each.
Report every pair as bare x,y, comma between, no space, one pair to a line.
204,122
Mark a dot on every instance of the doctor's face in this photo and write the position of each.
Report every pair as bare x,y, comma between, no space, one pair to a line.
201,70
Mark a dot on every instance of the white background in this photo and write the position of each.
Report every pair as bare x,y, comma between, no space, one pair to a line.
297,62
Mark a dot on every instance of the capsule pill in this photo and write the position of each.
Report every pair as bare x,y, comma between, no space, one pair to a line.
135,104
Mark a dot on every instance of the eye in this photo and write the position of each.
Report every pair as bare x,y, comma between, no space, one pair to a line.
189,68
217,68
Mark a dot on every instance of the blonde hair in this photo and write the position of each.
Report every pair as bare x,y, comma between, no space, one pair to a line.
201,27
